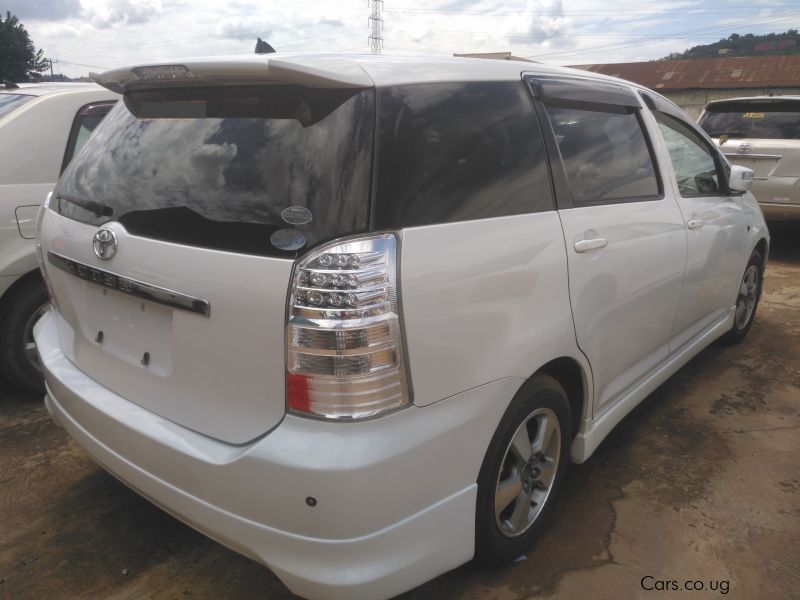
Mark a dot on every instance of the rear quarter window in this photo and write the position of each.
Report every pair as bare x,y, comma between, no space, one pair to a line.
458,151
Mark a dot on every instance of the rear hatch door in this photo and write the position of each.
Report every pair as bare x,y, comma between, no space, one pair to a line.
762,134
170,239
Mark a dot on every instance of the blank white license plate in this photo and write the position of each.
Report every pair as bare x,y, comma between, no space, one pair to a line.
130,327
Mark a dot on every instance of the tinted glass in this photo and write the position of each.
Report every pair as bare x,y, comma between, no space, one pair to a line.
261,170
86,124
458,151
8,102
767,120
605,154
692,160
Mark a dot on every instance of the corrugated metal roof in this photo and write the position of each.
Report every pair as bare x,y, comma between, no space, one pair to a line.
708,73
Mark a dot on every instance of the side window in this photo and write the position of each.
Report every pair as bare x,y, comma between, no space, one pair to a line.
696,169
605,153
84,124
458,151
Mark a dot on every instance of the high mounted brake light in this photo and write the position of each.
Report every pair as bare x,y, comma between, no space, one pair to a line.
344,341
162,72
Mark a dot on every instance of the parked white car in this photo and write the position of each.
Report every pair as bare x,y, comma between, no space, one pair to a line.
762,133
41,127
353,316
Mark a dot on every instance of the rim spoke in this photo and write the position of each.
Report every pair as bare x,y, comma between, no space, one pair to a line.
519,518
544,433
741,309
506,492
743,288
521,443
548,473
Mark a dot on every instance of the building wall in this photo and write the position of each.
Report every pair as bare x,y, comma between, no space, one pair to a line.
693,101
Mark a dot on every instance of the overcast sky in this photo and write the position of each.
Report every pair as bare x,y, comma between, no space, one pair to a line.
91,35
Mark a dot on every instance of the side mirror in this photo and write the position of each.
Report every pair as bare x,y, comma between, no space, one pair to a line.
741,178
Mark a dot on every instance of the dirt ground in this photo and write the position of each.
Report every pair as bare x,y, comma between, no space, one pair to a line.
700,484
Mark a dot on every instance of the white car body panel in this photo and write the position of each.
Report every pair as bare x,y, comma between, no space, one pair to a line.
715,247
182,381
362,545
18,255
203,432
33,141
713,266
325,70
623,307
492,280
44,125
587,441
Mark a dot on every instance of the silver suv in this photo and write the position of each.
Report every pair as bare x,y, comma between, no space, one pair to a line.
763,134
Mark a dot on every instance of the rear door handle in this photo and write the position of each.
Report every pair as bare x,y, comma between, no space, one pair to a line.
695,223
593,244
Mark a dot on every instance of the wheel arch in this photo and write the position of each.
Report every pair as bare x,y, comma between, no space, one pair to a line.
762,245
22,280
573,377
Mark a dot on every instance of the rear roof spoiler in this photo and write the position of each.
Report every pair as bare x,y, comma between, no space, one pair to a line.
310,71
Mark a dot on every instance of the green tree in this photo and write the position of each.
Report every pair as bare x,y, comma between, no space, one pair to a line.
19,58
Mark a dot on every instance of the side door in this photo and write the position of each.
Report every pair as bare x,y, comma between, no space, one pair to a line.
625,238
714,222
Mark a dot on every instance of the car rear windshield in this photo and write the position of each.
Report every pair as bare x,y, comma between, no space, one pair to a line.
10,102
765,120
267,170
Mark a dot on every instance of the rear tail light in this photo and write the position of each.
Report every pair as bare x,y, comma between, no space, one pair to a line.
345,356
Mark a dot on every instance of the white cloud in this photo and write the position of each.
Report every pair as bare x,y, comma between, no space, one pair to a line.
108,33
117,13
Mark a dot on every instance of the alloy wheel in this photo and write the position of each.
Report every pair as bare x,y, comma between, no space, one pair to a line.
27,338
527,472
748,294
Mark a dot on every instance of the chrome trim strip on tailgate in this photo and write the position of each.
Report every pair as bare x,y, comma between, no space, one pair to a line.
132,287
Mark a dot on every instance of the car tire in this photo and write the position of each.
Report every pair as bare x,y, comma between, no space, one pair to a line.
516,494
746,300
20,309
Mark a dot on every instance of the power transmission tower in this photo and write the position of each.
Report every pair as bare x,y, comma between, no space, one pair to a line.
376,27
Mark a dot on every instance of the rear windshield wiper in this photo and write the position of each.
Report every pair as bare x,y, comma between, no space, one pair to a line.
99,209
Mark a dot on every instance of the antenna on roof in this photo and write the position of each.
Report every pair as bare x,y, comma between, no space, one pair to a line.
376,27
263,47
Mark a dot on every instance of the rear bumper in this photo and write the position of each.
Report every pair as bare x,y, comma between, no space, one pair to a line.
395,496
778,197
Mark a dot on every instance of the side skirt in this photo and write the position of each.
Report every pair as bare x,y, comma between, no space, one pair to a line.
587,441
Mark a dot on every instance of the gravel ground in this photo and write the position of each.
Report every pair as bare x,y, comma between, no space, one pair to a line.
700,483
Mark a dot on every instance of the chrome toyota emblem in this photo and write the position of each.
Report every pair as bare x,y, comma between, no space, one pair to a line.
104,243
744,148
